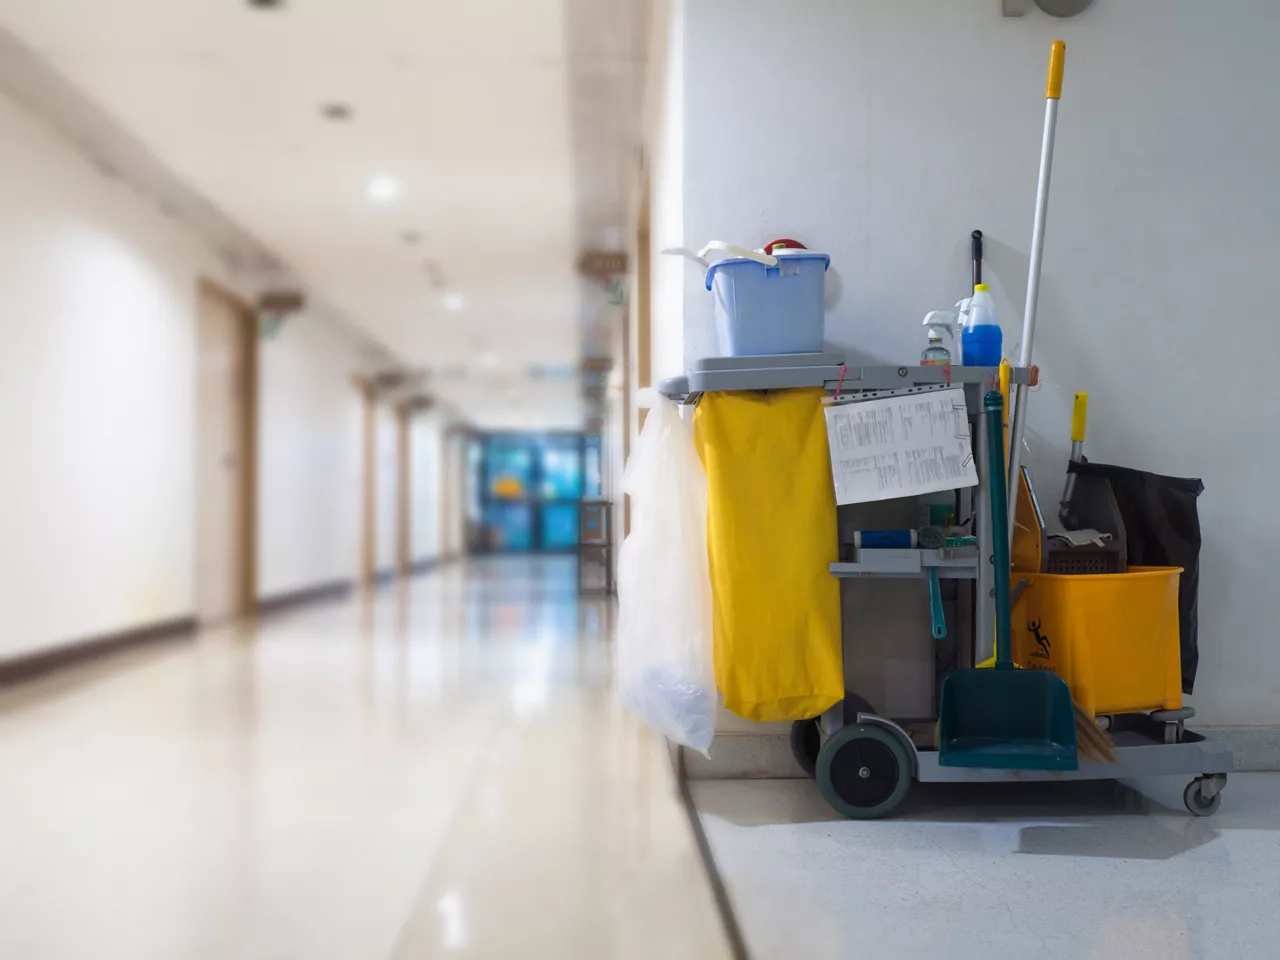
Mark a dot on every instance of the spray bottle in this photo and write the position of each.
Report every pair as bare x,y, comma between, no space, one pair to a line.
936,353
981,341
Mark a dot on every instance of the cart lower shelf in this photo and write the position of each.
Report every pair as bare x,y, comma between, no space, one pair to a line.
864,769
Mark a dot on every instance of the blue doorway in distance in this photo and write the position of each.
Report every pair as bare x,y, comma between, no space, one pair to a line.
531,485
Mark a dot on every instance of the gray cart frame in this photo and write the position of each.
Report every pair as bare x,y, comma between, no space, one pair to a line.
1155,744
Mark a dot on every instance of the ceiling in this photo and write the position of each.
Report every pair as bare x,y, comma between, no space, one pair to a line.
509,126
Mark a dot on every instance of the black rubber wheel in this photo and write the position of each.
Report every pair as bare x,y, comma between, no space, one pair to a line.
806,741
864,771
806,735
1197,802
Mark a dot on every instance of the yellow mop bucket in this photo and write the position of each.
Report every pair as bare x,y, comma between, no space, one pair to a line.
1112,637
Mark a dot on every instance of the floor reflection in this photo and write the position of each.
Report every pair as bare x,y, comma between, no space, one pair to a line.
435,768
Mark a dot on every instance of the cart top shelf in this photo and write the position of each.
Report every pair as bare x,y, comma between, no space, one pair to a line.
827,370
910,563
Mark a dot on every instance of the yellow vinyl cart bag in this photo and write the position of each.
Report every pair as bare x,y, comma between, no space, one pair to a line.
771,534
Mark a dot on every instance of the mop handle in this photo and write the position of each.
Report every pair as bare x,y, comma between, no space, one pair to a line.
1052,94
1018,415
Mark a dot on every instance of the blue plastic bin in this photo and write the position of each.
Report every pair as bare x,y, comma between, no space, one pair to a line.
764,310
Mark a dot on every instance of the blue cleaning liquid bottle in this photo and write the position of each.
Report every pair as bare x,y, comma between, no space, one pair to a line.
981,343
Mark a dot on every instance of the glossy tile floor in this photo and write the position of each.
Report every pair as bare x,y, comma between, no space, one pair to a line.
1086,871
437,771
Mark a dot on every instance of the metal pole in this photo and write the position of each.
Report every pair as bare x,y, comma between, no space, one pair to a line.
1069,488
1018,415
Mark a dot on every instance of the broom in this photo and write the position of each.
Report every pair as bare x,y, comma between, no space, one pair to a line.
1092,742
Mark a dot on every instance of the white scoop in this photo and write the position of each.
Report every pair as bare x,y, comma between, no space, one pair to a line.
719,246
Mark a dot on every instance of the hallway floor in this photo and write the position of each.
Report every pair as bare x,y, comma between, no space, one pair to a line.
1070,871
437,770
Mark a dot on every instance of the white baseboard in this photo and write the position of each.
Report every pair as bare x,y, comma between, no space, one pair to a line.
744,756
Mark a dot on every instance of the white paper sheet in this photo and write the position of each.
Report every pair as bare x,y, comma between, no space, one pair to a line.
900,446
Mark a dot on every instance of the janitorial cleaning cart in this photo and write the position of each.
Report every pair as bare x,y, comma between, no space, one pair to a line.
1056,652
1107,632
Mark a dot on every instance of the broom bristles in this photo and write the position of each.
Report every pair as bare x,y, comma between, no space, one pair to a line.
1092,742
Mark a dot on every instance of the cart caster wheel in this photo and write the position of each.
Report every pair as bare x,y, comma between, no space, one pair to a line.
806,735
806,741
864,771
1197,801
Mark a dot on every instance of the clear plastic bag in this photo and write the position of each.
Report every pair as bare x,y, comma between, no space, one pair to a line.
664,672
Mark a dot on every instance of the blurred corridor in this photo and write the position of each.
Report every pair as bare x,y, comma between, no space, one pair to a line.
437,771
274,269
285,284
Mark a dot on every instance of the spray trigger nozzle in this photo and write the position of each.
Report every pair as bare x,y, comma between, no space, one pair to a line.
939,320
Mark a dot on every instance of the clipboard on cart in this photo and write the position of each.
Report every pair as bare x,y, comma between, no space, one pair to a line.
900,445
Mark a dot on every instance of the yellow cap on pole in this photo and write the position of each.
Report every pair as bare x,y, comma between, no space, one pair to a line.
1057,60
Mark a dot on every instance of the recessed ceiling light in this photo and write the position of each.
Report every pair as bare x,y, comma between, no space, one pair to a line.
336,111
383,189
488,360
453,302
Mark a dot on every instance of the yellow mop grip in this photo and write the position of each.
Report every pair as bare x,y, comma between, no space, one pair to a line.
1057,60
1079,414
1005,371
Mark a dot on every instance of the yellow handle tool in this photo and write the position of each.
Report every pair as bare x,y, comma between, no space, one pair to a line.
1079,417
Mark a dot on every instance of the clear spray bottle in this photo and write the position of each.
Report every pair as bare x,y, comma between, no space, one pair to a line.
939,322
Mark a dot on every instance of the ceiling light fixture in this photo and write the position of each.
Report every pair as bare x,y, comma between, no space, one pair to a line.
383,189
453,302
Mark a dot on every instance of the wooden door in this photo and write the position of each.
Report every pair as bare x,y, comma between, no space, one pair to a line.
369,482
404,489
225,460
386,485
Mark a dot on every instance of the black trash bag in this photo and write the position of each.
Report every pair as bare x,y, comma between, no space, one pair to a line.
1163,530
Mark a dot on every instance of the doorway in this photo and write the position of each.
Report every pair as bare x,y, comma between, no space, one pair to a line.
226,458
530,487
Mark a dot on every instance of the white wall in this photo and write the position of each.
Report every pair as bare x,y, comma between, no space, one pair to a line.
308,458
884,131
98,410
97,398
665,121
387,506
427,439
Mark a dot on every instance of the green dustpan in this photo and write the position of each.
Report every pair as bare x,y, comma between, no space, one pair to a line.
1005,718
